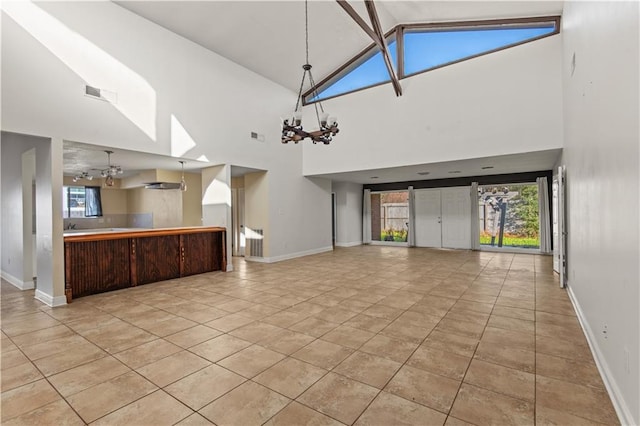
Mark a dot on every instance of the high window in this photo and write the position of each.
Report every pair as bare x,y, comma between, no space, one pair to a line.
418,48
367,71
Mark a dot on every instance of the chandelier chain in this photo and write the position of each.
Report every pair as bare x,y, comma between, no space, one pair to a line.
300,91
306,29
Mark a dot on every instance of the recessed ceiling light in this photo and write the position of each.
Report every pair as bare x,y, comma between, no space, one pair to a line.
487,167
423,173
374,177
455,171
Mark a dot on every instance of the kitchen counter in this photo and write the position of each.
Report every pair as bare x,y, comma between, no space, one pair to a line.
109,259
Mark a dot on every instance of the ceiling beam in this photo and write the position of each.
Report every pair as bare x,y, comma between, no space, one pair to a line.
358,19
376,35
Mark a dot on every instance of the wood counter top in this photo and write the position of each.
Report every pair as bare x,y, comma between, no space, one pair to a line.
131,233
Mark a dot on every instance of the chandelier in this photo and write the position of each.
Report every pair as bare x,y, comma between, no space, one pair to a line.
110,171
292,127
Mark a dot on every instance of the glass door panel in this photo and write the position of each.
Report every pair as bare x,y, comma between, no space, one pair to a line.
389,216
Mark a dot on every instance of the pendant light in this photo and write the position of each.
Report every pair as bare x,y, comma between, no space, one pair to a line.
183,183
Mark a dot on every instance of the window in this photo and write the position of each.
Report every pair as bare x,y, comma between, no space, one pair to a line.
428,49
81,201
425,47
368,71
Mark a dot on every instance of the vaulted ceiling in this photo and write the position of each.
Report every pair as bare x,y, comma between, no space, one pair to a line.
267,37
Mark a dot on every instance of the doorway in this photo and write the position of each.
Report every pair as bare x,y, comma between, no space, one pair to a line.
559,224
443,217
334,210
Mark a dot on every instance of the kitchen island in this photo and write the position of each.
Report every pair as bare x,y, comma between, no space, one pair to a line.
98,261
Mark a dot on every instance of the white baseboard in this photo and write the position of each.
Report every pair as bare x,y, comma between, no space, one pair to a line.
288,256
50,301
619,404
351,244
16,282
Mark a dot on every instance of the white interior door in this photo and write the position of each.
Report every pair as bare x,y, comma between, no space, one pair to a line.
428,218
456,218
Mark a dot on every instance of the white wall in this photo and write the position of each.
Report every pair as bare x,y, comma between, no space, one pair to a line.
49,244
299,230
503,103
601,157
174,97
13,146
348,213
216,202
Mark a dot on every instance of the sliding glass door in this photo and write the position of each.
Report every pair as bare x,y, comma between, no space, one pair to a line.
509,216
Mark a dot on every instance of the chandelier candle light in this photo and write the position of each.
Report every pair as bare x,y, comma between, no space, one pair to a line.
292,127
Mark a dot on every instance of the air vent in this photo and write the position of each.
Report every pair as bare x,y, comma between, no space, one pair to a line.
92,91
255,243
257,136
101,94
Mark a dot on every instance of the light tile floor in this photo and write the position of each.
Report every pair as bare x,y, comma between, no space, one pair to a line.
366,335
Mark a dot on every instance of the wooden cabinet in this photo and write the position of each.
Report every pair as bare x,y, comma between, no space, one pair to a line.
96,263
199,253
156,258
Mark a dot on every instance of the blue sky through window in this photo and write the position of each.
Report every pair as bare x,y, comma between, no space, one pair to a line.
430,48
425,50
370,72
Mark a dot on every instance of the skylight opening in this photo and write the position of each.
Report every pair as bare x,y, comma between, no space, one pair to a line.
366,71
424,47
432,48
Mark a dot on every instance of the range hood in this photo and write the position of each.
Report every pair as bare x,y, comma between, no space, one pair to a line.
162,185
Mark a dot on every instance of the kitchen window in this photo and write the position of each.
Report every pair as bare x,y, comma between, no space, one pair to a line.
81,201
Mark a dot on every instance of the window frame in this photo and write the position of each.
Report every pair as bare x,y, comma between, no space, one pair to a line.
398,33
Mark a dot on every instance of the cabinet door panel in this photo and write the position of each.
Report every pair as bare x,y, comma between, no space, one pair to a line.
106,270
200,253
157,258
